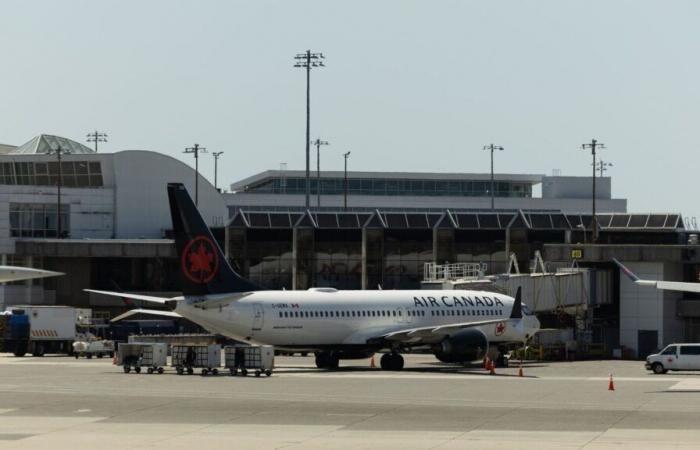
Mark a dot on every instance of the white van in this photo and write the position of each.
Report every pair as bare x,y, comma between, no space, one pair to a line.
675,357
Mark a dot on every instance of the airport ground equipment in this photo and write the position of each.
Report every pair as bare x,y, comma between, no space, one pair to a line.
176,339
186,358
151,356
38,330
96,347
244,358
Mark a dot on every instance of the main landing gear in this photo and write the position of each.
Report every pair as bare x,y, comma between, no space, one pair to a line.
391,361
327,360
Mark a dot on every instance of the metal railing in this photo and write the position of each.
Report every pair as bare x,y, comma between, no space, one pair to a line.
457,271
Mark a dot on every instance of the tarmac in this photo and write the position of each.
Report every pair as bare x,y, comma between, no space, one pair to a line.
62,403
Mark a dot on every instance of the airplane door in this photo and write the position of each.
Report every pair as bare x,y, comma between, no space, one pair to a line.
402,315
258,316
406,317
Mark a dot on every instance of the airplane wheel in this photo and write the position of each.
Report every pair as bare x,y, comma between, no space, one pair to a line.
160,370
190,371
244,372
215,371
149,370
127,369
391,361
268,372
179,371
137,369
327,360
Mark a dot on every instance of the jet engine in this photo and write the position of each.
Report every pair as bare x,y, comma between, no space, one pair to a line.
464,346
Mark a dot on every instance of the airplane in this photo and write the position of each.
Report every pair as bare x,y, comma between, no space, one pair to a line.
334,324
14,273
663,285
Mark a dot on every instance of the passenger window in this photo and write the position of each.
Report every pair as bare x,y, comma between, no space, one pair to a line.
690,349
280,313
393,313
399,313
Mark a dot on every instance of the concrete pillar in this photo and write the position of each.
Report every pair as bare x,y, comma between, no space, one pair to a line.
444,245
372,257
303,250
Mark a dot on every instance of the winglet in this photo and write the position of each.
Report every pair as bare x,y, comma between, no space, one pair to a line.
517,311
626,271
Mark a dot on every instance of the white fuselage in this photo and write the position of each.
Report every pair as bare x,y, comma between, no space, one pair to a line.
326,317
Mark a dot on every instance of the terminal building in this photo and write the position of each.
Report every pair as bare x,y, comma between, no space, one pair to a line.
115,228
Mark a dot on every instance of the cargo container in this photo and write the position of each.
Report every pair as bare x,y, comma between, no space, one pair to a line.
38,330
244,358
137,356
185,358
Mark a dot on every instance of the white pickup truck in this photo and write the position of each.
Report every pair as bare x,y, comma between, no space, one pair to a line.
675,357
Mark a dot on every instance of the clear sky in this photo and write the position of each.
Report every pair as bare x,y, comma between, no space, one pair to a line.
408,85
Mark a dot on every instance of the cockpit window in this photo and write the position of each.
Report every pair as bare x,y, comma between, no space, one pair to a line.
526,310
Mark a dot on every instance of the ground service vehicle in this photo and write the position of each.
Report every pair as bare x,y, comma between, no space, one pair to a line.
38,330
675,357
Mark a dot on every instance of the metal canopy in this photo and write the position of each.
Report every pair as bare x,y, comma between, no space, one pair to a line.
531,220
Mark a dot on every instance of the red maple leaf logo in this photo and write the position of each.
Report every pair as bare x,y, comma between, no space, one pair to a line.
199,260
500,328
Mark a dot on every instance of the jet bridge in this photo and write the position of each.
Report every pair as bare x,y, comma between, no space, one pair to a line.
570,290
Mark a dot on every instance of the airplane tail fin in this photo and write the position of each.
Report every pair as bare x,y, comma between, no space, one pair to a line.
203,268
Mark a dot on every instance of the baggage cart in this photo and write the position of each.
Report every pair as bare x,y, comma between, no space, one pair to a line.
186,358
135,356
244,358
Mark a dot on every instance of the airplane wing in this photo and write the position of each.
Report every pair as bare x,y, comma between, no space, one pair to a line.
153,312
433,333
145,298
664,285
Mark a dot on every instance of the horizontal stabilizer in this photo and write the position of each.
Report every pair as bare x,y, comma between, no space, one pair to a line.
14,273
144,298
153,312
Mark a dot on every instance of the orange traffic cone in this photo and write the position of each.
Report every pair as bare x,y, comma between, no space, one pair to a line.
520,371
492,368
487,363
114,360
611,384
371,363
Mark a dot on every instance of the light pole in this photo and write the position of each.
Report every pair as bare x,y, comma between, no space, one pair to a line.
594,145
491,148
318,143
196,150
308,60
602,166
345,182
59,152
96,137
216,168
